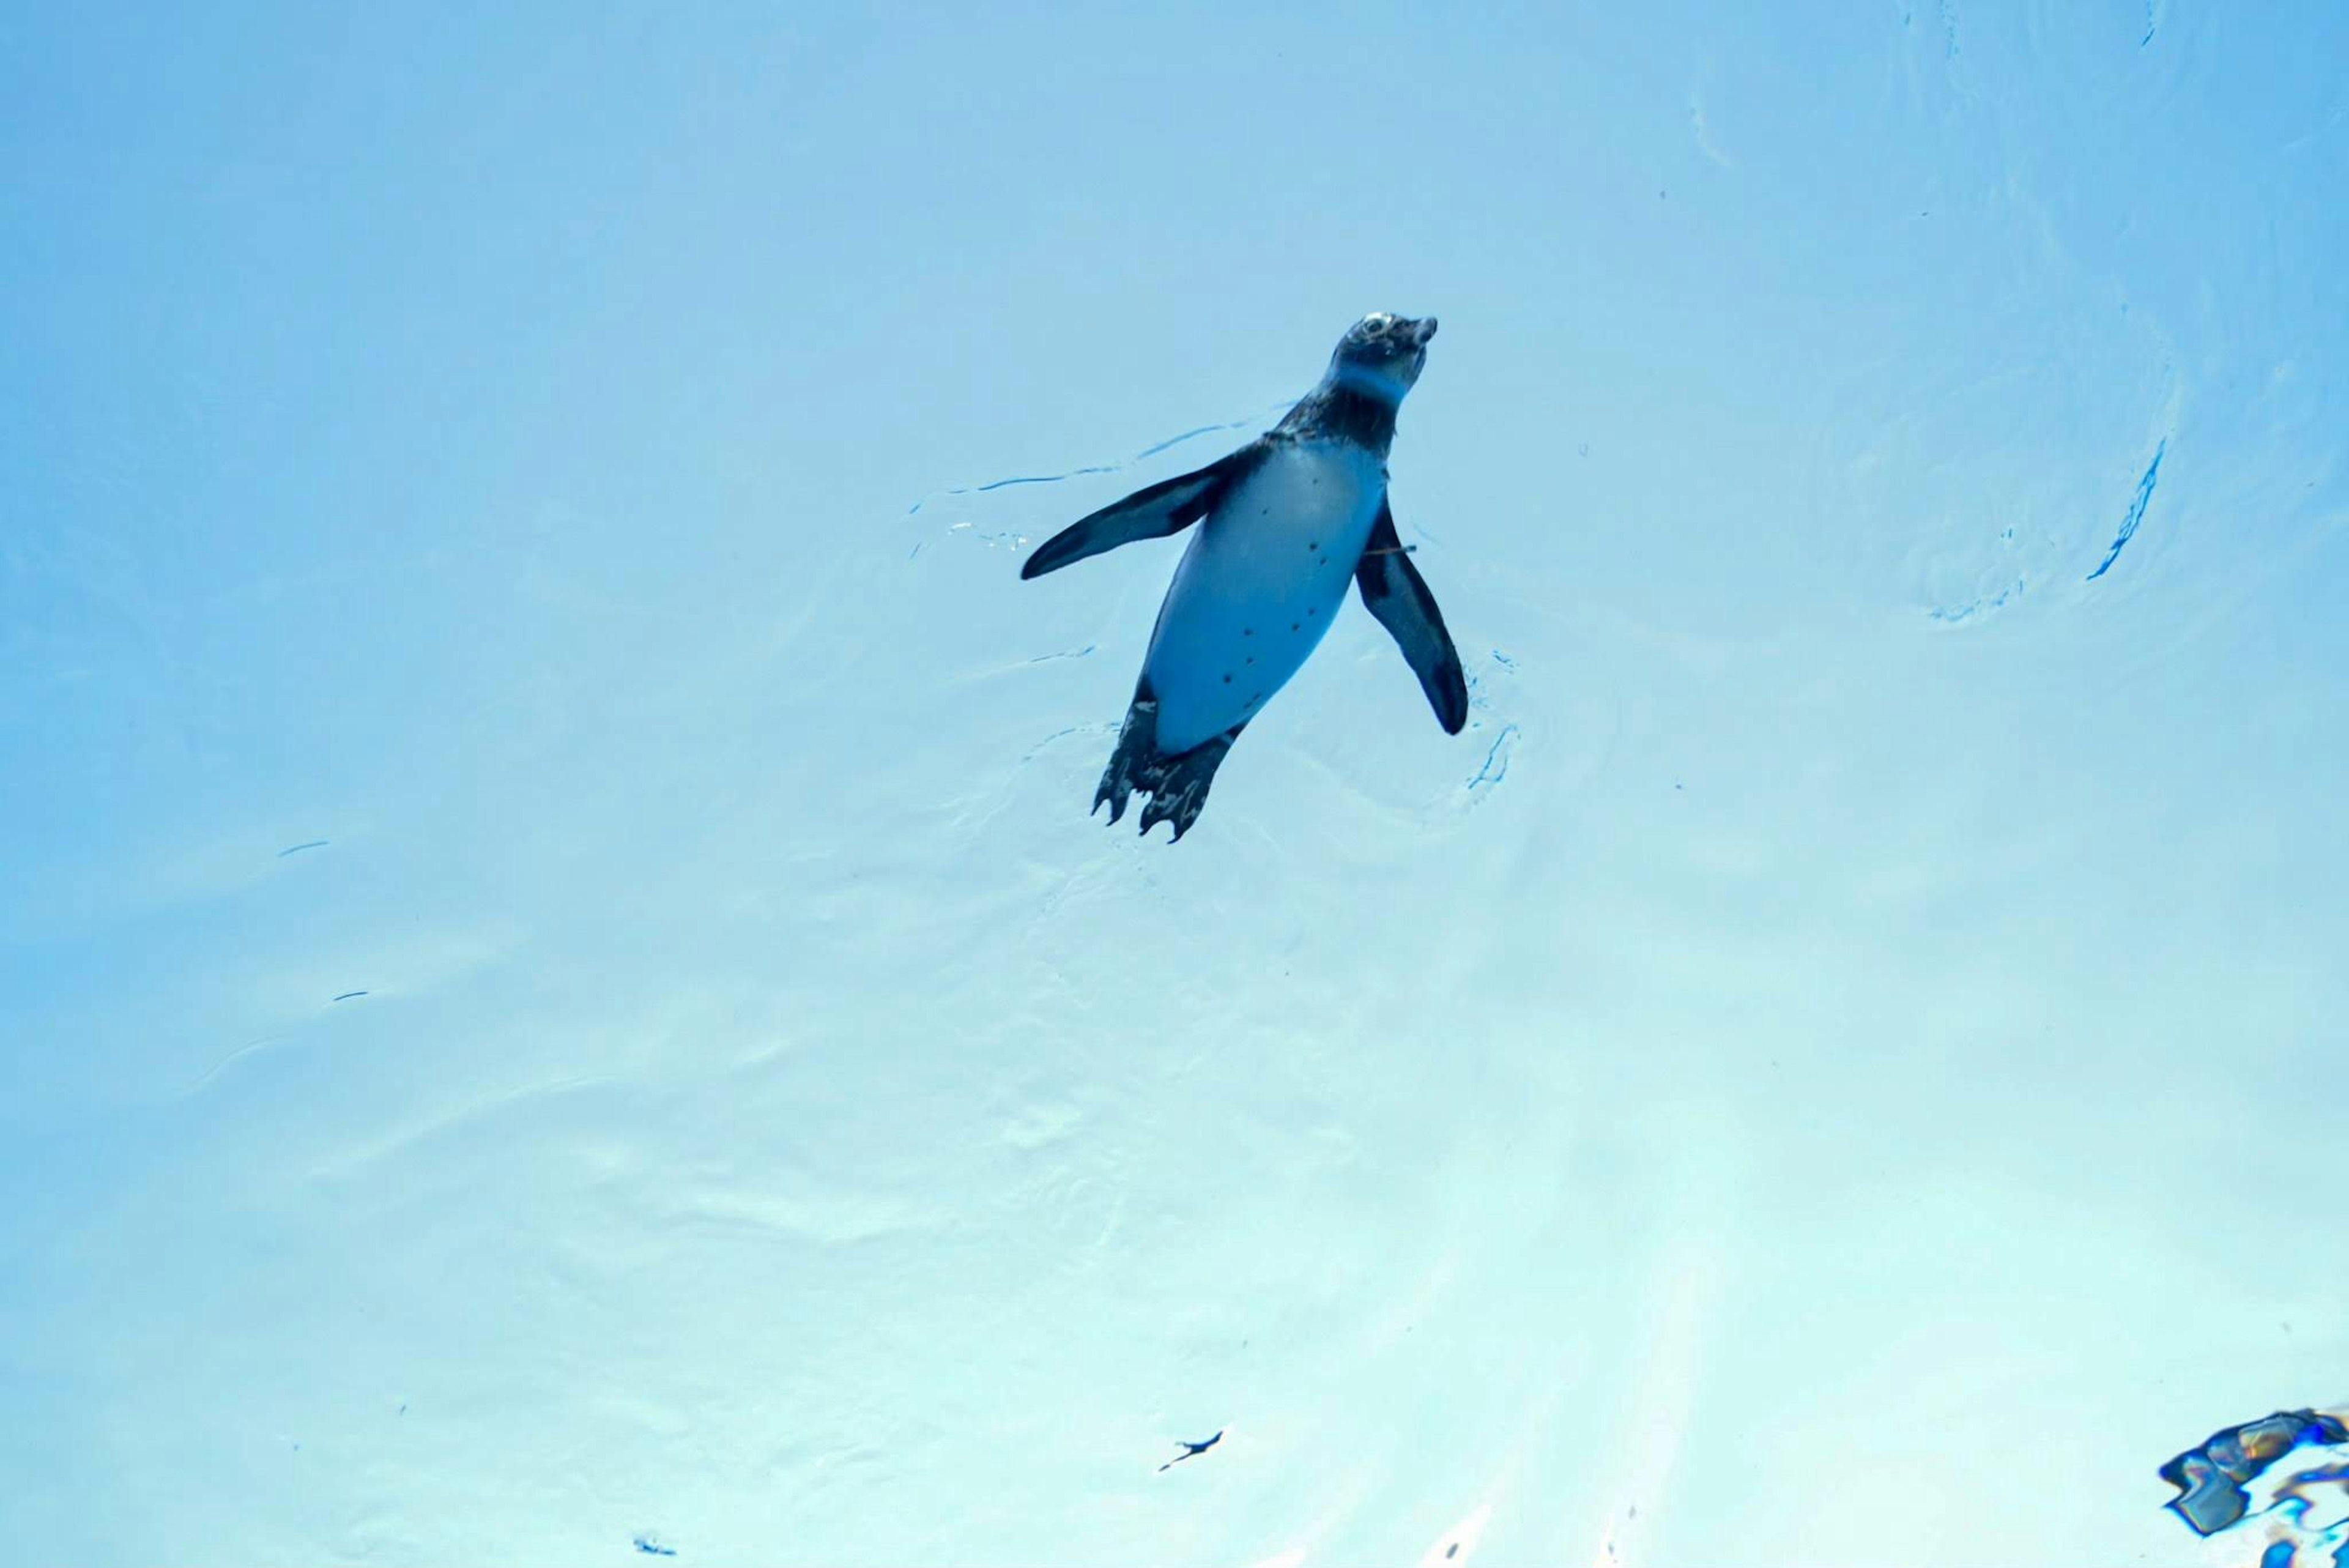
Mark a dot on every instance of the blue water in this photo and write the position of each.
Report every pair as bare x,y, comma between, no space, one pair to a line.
559,1000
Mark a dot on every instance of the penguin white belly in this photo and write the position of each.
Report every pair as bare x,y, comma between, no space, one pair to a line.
1258,586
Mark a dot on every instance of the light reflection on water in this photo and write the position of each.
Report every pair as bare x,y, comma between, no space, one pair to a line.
2235,1483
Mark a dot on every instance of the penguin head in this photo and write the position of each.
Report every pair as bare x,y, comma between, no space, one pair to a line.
1382,354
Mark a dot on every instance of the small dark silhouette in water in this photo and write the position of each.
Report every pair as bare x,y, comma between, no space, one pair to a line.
1190,1450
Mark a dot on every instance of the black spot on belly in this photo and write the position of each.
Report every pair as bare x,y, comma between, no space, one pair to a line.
1247,631
1313,543
1315,610
1251,659
1292,626
1227,680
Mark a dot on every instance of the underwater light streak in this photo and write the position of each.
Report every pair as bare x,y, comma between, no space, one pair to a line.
2136,512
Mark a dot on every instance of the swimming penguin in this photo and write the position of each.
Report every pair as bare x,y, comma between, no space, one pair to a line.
1284,523
1190,1452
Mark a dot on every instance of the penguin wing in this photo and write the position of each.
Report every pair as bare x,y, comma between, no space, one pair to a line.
1393,591
1167,507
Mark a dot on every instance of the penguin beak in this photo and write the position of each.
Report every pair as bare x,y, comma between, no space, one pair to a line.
1422,330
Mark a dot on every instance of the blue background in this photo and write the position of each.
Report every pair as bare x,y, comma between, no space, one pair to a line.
1841,1058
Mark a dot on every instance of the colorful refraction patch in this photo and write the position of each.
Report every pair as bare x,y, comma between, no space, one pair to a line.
2214,1479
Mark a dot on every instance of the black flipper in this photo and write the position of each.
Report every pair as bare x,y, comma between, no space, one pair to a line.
1166,507
1393,591
1176,785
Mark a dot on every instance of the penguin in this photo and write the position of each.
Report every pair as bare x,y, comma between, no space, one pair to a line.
1190,1452
1284,523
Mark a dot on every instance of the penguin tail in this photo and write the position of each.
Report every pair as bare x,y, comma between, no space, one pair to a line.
1176,785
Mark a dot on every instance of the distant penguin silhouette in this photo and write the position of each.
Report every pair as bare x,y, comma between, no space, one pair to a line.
1190,1452
1284,523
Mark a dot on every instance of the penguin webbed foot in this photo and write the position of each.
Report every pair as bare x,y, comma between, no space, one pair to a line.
1138,744
1176,785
